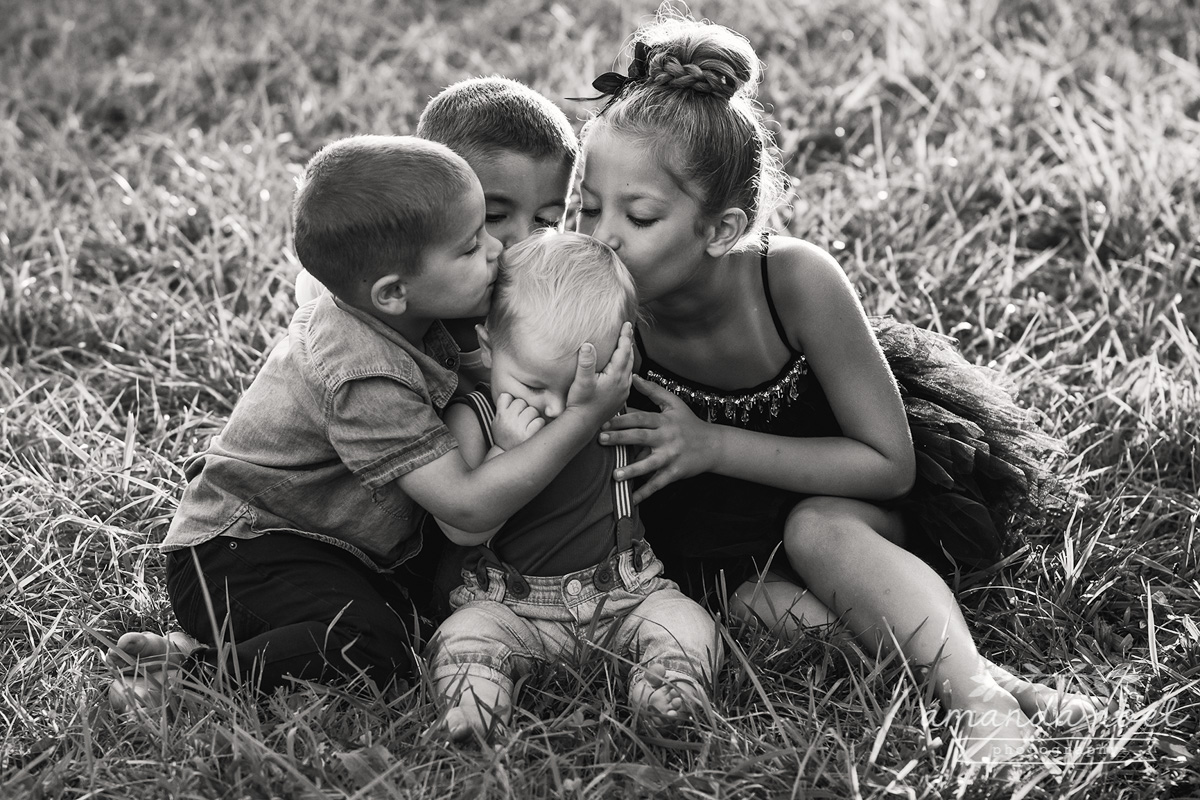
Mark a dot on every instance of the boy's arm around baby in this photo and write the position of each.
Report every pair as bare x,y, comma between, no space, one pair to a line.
477,500
514,422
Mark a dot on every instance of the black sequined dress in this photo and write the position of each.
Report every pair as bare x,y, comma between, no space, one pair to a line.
981,464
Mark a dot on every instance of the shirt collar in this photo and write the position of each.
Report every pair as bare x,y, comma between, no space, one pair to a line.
437,357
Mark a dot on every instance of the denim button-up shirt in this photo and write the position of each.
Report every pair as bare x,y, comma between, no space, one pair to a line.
342,407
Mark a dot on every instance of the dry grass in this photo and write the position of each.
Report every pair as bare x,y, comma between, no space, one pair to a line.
1023,176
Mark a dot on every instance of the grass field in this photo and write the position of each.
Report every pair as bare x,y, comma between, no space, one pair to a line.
1022,175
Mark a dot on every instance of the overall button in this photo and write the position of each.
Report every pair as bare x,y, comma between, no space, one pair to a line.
518,589
574,587
603,579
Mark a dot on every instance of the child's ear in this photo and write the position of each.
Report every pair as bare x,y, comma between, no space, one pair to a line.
725,230
485,346
389,295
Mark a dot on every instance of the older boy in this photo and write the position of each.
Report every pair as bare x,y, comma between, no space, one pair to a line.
297,512
521,146
572,563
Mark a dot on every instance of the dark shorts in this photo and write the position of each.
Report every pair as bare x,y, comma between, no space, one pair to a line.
714,533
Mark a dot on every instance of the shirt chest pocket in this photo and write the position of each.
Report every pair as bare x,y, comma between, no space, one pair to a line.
393,502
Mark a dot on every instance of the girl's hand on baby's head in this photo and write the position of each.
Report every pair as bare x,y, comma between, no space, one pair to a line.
673,442
603,393
515,421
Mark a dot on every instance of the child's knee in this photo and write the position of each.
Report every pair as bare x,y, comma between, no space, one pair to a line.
782,606
740,602
824,529
485,626
811,526
481,637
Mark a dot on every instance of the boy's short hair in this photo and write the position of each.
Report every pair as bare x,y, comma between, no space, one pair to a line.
478,116
567,287
371,204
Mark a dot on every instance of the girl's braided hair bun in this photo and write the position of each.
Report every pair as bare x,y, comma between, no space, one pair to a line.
701,57
690,98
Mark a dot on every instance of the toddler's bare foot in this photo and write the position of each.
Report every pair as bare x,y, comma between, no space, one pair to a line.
480,709
992,728
1046,704
665,702
143,663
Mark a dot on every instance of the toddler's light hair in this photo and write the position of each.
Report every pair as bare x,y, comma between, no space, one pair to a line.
566,288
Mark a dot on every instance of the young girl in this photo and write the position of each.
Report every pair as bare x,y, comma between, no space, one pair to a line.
775,445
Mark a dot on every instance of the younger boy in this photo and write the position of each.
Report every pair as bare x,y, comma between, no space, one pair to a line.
297,512
572,564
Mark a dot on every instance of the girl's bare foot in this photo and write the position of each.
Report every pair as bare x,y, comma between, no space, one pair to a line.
143,663
1047,704
991,727
665,702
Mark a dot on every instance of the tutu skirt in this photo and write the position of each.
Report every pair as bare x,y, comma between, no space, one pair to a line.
983,466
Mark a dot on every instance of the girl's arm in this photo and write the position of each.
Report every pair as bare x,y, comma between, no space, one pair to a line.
823,317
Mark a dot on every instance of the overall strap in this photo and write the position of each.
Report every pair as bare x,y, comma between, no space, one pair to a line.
627,532
481,403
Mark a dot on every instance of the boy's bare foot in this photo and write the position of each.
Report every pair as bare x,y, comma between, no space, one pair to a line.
143,663
1046,704
480,709
662,701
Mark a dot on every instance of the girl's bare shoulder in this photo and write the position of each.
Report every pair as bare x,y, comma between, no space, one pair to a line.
798,252
803,275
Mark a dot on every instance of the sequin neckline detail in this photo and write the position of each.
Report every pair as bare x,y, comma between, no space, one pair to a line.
733,405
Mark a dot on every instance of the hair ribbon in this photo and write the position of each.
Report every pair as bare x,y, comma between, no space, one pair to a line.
612,84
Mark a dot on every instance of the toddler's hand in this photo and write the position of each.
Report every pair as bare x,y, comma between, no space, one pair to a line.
674,443
603,394
515,421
